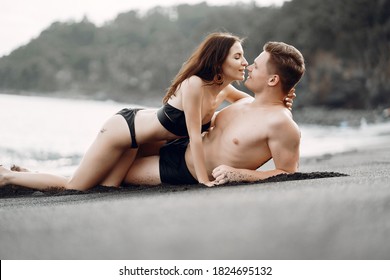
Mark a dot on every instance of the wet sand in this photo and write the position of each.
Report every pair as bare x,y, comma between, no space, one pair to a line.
300,216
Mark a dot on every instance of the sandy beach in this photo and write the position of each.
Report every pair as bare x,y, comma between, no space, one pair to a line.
345,217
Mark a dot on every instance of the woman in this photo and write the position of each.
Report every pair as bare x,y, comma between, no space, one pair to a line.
201,85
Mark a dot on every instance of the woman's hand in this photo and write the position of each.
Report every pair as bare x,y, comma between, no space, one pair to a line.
289,99
209,184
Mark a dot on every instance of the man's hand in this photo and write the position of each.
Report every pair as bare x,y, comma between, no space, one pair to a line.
224,174
289,99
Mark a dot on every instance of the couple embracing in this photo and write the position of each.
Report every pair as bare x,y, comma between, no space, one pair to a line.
186,141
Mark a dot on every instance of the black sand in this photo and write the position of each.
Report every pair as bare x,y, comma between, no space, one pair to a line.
338,207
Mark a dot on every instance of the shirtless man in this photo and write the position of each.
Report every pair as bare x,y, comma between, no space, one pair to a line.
245,135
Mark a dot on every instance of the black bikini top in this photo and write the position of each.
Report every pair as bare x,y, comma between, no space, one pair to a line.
174,120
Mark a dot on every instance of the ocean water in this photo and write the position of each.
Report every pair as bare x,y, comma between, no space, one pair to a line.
51,134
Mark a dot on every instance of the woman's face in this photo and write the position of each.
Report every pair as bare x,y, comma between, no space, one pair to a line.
234,66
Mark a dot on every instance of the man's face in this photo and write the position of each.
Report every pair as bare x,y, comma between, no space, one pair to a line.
258,74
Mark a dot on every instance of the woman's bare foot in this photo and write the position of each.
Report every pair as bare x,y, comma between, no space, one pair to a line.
3,176
17,168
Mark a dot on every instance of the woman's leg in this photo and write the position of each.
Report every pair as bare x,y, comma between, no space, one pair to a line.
104,153
119,171
39,181
108,147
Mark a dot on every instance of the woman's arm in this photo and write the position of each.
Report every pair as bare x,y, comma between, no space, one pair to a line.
192,95
232,94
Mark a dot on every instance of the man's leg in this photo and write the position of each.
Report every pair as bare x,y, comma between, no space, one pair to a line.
144,171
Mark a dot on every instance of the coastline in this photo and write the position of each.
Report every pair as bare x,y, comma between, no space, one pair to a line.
336,218
337,117
305,115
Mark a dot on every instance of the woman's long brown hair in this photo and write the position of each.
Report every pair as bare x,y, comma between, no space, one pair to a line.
205,62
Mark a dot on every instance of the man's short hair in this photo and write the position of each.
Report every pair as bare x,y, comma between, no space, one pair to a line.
287,62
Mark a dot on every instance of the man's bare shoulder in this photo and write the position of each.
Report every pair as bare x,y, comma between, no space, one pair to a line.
245,100
282,117
283,122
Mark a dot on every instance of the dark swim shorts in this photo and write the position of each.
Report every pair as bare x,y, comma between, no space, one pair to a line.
173,168
129,115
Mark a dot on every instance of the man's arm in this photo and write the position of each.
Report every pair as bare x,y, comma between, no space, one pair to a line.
284,142
284,146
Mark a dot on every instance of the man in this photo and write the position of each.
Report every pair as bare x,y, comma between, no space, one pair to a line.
245,135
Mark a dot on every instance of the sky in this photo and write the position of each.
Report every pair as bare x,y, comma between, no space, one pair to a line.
23,20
